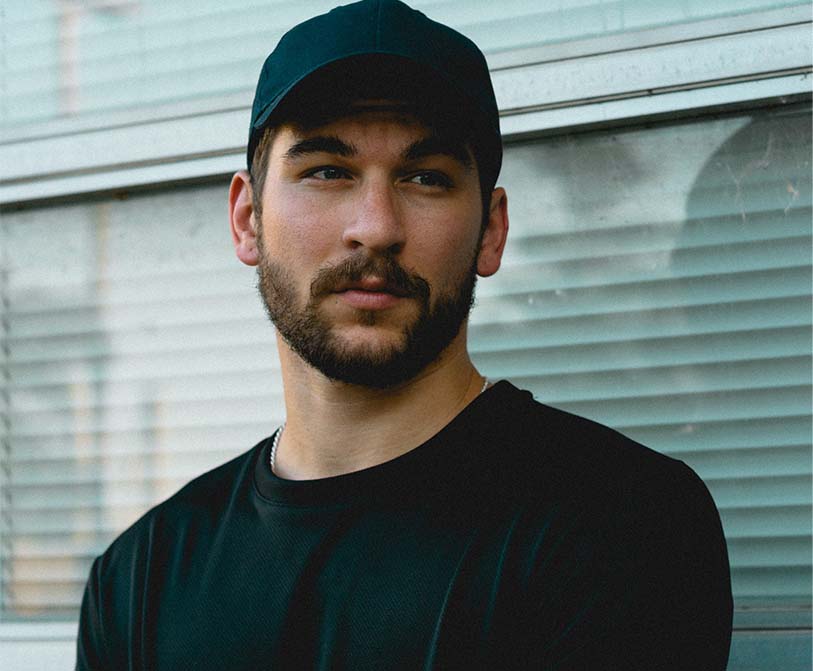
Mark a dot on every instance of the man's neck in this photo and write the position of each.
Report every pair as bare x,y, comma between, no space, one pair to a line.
334,428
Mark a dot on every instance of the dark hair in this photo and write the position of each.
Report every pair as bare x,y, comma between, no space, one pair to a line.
259,167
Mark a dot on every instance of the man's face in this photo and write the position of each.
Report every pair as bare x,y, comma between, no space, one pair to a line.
368,242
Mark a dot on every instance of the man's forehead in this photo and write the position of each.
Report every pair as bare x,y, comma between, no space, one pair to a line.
345,122
362,110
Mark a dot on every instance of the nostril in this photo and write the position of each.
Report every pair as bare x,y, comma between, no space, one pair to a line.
376,233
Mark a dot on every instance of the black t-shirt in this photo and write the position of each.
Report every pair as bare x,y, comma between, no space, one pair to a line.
518,537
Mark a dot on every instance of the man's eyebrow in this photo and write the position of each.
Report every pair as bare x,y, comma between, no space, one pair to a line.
434,145
327,144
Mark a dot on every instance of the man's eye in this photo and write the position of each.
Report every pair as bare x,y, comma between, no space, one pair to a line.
327,173
431,179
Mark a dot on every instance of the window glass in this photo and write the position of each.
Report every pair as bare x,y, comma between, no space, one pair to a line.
657,279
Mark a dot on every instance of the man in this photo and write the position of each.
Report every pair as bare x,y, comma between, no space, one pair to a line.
409,514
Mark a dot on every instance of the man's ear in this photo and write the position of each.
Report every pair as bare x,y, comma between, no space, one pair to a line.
493,243
242,220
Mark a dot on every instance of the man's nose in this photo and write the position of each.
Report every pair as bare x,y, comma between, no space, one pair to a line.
377,219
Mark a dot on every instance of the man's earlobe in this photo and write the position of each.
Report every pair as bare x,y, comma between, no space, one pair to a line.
495,235
242,220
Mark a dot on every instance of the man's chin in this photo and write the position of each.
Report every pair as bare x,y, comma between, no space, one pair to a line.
370,359
372,340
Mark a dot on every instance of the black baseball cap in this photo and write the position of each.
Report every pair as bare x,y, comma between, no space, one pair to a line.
339,47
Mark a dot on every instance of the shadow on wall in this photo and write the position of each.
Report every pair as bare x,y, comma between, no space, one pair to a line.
748,229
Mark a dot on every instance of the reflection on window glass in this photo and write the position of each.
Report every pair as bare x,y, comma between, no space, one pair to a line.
657,279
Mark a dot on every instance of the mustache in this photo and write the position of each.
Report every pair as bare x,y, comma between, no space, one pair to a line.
360,266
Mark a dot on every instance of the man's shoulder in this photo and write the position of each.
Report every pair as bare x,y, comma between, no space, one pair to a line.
619,488
199,503
553,445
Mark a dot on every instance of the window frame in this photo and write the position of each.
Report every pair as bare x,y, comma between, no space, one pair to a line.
669,71
607,81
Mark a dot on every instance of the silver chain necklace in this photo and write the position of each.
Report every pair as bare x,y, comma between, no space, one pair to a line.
275,442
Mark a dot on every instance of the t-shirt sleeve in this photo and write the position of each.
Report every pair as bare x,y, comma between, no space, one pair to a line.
675,596
90,644
694,584
643,584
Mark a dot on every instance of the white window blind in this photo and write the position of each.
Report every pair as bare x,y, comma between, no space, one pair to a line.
61,59
135,358
657,279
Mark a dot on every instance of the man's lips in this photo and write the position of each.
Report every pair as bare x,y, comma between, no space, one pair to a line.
370,294
371,285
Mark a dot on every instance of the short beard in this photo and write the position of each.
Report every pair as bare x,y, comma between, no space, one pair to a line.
312,338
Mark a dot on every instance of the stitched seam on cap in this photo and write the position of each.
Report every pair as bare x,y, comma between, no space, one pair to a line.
378,26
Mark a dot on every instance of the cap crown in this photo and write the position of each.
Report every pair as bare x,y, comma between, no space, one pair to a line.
387,27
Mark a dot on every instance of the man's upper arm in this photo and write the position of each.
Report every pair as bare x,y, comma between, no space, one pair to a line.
90,643
701,599
680,605
648,585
